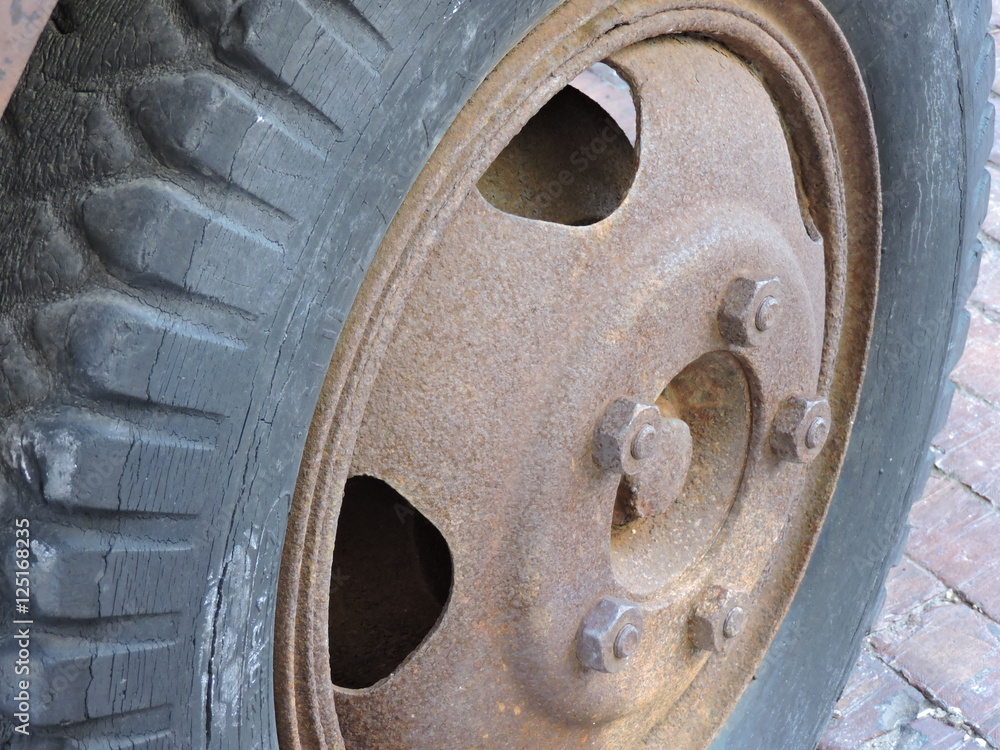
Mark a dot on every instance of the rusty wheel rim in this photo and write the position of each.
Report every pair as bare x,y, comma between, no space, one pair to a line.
627,427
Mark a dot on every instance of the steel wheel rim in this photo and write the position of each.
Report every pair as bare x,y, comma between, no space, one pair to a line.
847,217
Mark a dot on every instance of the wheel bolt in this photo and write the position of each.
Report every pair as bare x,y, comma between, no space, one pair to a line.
609,634
817,433
801,428
718,619
767,315
627,641
750,311
644,444
735,621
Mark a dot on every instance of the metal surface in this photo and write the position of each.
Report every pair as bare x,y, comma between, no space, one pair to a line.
767,314
650,451
734,623
21,23
660,480
627,641
493,334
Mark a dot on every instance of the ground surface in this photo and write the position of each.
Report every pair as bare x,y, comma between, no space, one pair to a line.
929,675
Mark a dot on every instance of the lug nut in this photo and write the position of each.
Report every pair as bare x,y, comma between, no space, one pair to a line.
651,453
609,634
718,619
625,436
801,428
750,311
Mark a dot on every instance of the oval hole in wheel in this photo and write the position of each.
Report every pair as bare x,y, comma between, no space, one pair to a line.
574,161
391,577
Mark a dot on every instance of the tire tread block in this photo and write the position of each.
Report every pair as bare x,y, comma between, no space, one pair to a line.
21,380
163,740
86,461
151,232
87,575
112,344
303,48
75,680
207,122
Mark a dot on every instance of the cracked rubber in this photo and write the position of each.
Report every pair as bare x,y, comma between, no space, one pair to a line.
193,190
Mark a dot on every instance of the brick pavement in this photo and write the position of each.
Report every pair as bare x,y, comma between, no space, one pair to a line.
929,674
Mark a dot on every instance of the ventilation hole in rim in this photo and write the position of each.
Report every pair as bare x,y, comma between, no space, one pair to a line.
391,577
574,161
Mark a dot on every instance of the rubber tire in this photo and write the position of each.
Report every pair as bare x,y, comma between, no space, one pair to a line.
193,190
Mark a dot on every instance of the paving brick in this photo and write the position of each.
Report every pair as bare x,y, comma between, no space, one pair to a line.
968,447
951,653
927,733
968,418
977,369
875,702
987,291
909,586
975,464
879,710
954,536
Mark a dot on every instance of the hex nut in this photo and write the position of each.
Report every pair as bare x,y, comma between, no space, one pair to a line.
718,619
801,428
612,626
750,309
615,438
